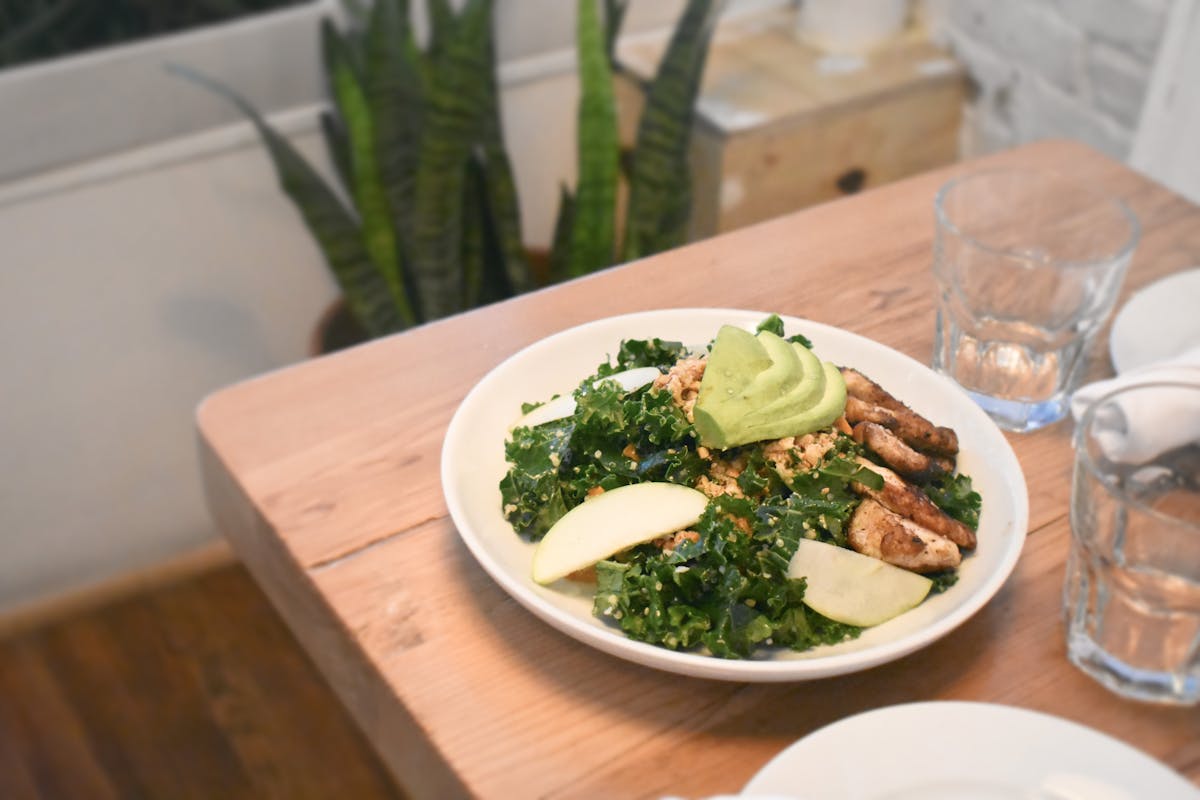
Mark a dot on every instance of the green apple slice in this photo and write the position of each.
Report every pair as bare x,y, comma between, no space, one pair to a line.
564,405
614,521
852,588
558,408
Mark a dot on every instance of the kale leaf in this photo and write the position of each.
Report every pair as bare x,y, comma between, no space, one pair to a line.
726,592
530,490
774,325
954,495
643,353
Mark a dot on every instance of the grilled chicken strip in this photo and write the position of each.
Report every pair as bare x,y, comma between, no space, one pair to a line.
880,533
862,387
870,402
898,455
908,501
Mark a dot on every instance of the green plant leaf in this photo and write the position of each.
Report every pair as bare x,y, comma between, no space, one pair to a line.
484,276
331,224
38,22
593,231
614,15
356,12
396,97
560,250
500,187
370,197
442,23
474,213
660,187
504,212
338,147
457,101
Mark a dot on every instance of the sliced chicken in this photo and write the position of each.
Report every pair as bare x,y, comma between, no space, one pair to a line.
859,410
868,401
910,463
910,502
875,531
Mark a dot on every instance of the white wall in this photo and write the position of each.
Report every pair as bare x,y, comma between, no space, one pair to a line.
134,284
1165,147
122,303
1052,68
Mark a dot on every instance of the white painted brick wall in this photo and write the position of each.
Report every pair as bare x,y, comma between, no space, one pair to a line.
1119,82
1051,68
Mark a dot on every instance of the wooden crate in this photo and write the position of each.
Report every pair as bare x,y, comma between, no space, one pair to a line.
781,126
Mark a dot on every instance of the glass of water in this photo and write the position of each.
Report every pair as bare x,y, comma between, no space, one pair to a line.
1028,265
1132,591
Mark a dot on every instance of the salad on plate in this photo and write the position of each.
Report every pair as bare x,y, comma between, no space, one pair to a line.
738,496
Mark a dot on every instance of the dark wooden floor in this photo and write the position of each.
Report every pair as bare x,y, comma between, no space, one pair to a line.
195,690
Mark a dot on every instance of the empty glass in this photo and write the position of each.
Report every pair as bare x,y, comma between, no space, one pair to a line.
1028,266
1132,591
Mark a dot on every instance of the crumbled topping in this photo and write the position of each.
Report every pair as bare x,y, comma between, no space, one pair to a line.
671,541
722,477
683,382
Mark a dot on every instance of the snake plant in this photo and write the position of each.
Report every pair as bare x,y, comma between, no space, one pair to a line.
432,225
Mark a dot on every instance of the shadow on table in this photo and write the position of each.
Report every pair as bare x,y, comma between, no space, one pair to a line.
610,686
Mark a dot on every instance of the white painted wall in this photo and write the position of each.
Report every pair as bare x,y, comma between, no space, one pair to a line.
1052,68
134,284
122,303
1165,147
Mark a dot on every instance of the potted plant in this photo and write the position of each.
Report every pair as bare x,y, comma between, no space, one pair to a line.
430,225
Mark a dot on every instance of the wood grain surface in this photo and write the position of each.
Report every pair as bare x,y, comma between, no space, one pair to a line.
192,690
780,125
325,478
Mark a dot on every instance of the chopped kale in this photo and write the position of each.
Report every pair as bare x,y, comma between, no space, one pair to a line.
531,490
942,580
723,588
954,495
643,353
726,592
774,324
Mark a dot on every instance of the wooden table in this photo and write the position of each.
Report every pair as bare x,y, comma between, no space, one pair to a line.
325,477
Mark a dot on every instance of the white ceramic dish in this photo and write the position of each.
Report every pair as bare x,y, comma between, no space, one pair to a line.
964,751
473,464
1157,323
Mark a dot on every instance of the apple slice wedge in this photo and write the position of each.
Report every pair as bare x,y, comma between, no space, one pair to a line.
852,588
614,521
559,407
564,405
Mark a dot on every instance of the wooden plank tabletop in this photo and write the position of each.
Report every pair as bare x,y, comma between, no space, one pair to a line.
325,477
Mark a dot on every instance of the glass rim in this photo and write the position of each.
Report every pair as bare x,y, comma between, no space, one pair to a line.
1122,252
1083,454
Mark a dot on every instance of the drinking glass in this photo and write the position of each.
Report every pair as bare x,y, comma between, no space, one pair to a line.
1132,593
1028,265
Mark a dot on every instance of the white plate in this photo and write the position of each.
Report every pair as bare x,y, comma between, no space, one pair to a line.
964,751
473,464
1157,323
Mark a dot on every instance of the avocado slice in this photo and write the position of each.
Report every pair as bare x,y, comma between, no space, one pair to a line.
737,358
722,409
743,400
783,374
830,406
803,395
